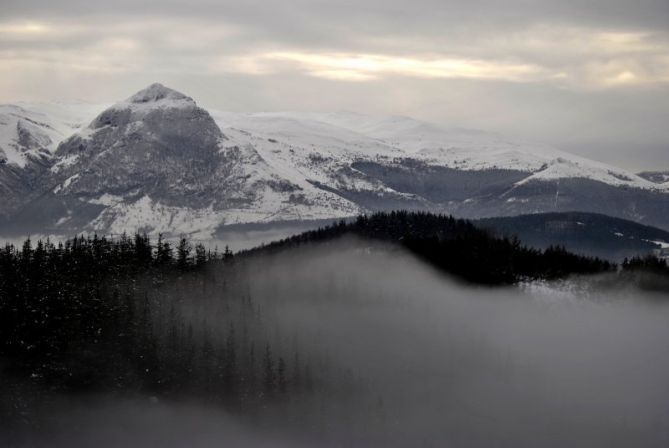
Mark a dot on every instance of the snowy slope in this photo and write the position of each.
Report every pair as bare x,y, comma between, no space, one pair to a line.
307,151
35,129
351,135
158,162
476,150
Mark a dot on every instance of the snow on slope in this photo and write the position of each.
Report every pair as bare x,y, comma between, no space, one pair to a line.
307,151
578,167
266,174
476,150
351,135
340,136
35,129
49,123
159,163
154,217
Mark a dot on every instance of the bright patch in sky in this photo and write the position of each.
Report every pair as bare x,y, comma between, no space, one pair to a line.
366,67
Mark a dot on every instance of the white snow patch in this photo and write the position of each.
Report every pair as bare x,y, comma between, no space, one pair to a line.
520,200
65,162
106,199
63,220
154,217
662,244
66,183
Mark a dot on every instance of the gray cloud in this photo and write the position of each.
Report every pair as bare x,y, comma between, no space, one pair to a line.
327,14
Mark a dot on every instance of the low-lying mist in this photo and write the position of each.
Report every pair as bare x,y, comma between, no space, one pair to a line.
404,356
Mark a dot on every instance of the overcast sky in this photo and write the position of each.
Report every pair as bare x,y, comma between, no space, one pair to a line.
588,76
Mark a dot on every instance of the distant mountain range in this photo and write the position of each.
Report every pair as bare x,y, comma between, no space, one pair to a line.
157,162
583,233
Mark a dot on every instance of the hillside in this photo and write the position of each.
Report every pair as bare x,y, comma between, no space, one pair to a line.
454,246
584,233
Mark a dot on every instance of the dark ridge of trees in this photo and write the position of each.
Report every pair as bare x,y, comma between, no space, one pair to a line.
648,273
648,264
456,246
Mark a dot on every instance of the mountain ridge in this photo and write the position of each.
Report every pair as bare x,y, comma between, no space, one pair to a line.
158,162
583,233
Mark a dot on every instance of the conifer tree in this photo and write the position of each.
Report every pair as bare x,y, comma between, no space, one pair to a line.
183,253
269,378
200,254
281,377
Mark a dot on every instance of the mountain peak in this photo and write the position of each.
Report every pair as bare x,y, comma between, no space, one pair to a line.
157,92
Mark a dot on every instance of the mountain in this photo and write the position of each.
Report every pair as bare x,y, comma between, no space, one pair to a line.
583,233
467,173
29,135
158,162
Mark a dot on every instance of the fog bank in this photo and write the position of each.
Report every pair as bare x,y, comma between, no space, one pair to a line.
415,359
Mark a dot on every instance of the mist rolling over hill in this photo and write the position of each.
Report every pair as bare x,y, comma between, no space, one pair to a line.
321,336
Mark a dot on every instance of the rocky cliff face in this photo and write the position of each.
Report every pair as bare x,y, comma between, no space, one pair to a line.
157,143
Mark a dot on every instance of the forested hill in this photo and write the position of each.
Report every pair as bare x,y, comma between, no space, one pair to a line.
132,315
455,246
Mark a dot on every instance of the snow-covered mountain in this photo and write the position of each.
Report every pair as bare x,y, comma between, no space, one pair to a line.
29,135
158,162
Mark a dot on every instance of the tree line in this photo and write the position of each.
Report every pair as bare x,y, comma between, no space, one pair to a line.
130,316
